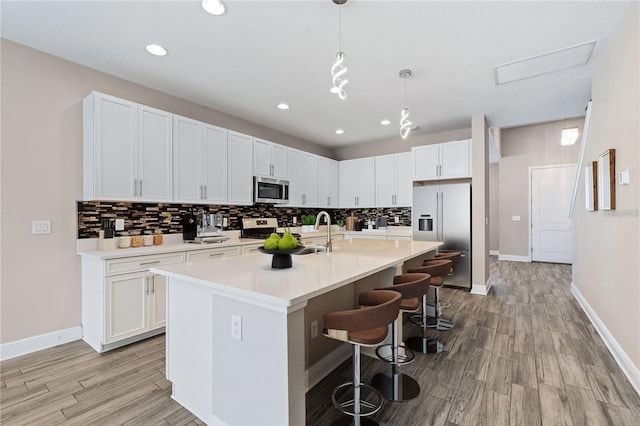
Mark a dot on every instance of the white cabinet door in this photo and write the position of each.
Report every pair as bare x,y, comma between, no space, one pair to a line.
426,162
214,165
404,179
126,305
157,301
366,182
385,179
327,182
240,171
454,159
261,157
348,178
110,148
187,136
154,155
310,179
296,177
279,161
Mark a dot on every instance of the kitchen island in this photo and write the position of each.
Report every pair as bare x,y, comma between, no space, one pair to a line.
235,326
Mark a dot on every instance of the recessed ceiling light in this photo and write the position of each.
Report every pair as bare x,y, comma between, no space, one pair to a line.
385,122
214,7
156,49
339,132
283,106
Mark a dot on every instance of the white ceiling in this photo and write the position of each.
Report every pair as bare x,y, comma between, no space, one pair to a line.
261,53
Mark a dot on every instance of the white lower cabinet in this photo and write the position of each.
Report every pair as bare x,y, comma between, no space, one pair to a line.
122,302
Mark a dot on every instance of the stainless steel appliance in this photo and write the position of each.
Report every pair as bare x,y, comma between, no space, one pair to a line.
202,228
442,212
260,228
269,190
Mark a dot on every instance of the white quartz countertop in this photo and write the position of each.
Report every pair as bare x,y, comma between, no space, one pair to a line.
174,243
251,277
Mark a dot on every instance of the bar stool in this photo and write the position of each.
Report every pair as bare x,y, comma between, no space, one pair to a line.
396,386
366,326
424,344
454,257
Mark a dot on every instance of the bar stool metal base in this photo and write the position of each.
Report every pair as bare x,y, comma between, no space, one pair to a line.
344,399
439,324
348,421
443,304
396,386
425,345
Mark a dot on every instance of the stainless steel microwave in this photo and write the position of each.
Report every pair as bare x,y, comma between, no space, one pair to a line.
269,190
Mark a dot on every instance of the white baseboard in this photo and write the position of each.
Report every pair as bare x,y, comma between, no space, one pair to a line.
38,343
514,258
494,253
326,365
482,290
628,368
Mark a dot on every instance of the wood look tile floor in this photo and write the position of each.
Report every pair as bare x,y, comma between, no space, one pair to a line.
524,355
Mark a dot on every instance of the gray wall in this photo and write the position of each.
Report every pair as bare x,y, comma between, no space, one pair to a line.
524,147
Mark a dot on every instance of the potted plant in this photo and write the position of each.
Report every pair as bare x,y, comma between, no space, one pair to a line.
340,223
308,223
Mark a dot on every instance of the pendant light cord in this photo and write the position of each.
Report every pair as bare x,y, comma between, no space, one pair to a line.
340,29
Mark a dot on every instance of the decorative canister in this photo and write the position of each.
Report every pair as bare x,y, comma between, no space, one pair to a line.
147,239
136,239
124,241
157,238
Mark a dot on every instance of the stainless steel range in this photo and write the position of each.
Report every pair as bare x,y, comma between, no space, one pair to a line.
260,228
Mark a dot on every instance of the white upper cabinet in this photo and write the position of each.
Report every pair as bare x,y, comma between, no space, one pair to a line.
303,178
393,180
127,150
327,182
240,168
269,159
450,160
357,183
199,162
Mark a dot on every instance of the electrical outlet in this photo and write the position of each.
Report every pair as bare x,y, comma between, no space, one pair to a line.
236,327
295,220
515,218
314,329
396,219
119,224
41,227
225,222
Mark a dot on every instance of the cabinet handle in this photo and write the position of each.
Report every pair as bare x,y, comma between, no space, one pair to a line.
146,285
205,192
304,199
328,201
140,182
153,284
200,194
149,263
215,254
135,187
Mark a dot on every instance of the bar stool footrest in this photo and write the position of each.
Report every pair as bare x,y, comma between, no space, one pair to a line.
370,399
385,353
443,304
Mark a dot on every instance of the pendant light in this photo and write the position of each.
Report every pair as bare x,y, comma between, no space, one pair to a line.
338,69
405,124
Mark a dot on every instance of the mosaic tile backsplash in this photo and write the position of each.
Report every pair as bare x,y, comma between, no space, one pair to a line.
168,217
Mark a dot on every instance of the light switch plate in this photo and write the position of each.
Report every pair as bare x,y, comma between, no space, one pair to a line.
119,224
40,227
314,329
515,218
623,177
236,327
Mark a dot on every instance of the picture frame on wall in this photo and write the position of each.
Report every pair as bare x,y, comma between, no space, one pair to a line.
607,180
591,186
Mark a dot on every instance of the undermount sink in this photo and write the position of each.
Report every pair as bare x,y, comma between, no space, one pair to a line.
312,249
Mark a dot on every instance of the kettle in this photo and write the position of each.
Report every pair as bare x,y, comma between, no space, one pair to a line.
381,223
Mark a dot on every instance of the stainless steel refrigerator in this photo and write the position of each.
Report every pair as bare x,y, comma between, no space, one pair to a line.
442,212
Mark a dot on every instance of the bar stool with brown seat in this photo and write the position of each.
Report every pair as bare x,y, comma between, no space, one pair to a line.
394,385
424,344
366,326
454,257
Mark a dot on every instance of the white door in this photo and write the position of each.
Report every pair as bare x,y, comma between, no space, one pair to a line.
154,154
296,177
261,157
454,159
550,225
126,307
187,134
425,162
214,167
404,184
366,182
348,178
157,301
310,176
279,161
240,168
385,180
